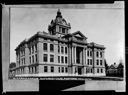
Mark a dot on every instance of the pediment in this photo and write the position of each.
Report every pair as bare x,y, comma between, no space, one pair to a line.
78,34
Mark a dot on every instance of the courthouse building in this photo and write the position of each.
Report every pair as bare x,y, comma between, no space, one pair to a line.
59,53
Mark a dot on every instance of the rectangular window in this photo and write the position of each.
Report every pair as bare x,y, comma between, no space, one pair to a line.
101,54
62,69
97,54
66,69
100,62
58,59
59,69
35,47
58,49
88,62
32,49
97,62
30,60
101,70
65,59
45,46
90,53
60,29
65,50
29,50
33,59
62,49
52,69
51,47
97,70
87,53
24,60
36,57
62,59
51,58
63,30
91,70
45,69
45,58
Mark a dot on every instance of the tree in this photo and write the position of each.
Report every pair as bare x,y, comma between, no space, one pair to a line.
120,69
106,65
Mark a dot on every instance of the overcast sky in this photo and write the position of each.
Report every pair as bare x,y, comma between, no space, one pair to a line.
100,24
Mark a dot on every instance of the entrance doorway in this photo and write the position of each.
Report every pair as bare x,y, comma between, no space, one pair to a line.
79,70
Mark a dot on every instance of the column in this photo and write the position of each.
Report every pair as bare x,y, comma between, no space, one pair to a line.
75,54
83,56
72,56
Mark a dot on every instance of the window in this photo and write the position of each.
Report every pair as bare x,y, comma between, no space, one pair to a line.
97,54
100,62
97,62
52,69
51,47
32,70
36,57
35,69
91,70
35,47
65,59
45,69
51,58
65,50
24,60
33,59
97,70
101,70
90,61
32,49
66,69
101,54
45,46
63,30
30,60
87,53
58,49
29,50
59,69
62,49
62,59
90,53
87,70
60,29
58,59
45,57
62,69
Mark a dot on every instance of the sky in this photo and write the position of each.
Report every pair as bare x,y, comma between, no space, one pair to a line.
102,24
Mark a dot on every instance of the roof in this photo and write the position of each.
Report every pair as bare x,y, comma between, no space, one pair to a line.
92,44
113,66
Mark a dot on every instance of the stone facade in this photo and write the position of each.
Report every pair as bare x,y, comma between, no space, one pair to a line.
59,53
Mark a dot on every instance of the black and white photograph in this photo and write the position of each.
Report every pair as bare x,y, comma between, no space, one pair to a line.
63,47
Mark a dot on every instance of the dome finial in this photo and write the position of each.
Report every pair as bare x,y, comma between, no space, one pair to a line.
58,10
59,13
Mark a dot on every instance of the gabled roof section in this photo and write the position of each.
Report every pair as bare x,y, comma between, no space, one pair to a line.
79,34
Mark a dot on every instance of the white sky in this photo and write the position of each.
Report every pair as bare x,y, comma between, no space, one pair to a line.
102,25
